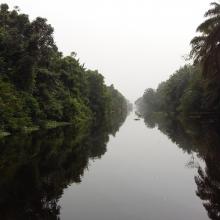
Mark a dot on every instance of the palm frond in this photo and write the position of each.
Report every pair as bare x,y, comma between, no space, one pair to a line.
215,4
213,11
198,45
198,40
207,26
206,47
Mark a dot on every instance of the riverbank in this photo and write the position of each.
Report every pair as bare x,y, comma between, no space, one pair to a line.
45,125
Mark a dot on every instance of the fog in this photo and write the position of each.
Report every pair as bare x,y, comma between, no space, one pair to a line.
135,44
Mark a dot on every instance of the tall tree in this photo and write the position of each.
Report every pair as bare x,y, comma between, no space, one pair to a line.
206,52
206,46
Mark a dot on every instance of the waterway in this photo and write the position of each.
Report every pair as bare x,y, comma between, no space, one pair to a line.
131,170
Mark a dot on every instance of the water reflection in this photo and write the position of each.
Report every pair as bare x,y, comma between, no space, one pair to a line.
35,169
200,137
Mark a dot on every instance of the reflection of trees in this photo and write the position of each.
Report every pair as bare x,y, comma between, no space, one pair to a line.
208,179
149,121
208,189
192,163
171,128
202,137
34,169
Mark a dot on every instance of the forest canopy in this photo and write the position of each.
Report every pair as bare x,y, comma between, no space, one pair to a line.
193,90
39,86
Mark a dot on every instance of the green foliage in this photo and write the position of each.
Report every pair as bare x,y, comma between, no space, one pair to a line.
205,48
206,52
182,94
12,108
193,89
38,84
193,98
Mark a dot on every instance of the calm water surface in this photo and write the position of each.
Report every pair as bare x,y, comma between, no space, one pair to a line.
143,175
152,169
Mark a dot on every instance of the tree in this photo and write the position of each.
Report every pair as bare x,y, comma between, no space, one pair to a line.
38,85
206,46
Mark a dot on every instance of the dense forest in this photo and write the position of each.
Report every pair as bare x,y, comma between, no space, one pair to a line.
194,89
39,87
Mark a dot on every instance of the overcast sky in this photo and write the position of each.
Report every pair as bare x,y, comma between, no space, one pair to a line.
135,44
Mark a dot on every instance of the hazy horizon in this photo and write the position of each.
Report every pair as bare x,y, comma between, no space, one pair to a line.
133,44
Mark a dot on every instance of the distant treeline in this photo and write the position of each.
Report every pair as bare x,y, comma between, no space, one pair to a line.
195,88
182,93
39,86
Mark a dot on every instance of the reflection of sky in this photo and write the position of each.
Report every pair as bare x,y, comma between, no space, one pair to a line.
135,43
142,176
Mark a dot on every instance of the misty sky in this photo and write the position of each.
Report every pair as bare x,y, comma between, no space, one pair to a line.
135,44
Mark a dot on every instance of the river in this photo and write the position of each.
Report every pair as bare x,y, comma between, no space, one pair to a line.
133,172
143,175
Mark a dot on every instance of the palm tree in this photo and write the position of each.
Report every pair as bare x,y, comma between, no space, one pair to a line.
206,46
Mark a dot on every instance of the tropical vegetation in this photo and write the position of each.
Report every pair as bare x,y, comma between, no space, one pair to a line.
194,89
40,87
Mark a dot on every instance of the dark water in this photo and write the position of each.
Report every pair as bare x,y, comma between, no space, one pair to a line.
166,171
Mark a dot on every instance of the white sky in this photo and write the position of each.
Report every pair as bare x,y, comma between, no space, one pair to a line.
135,44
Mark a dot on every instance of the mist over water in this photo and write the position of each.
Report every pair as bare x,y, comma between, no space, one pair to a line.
70,145
143,176
166,172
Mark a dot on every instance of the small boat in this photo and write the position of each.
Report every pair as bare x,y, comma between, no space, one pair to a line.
137,119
